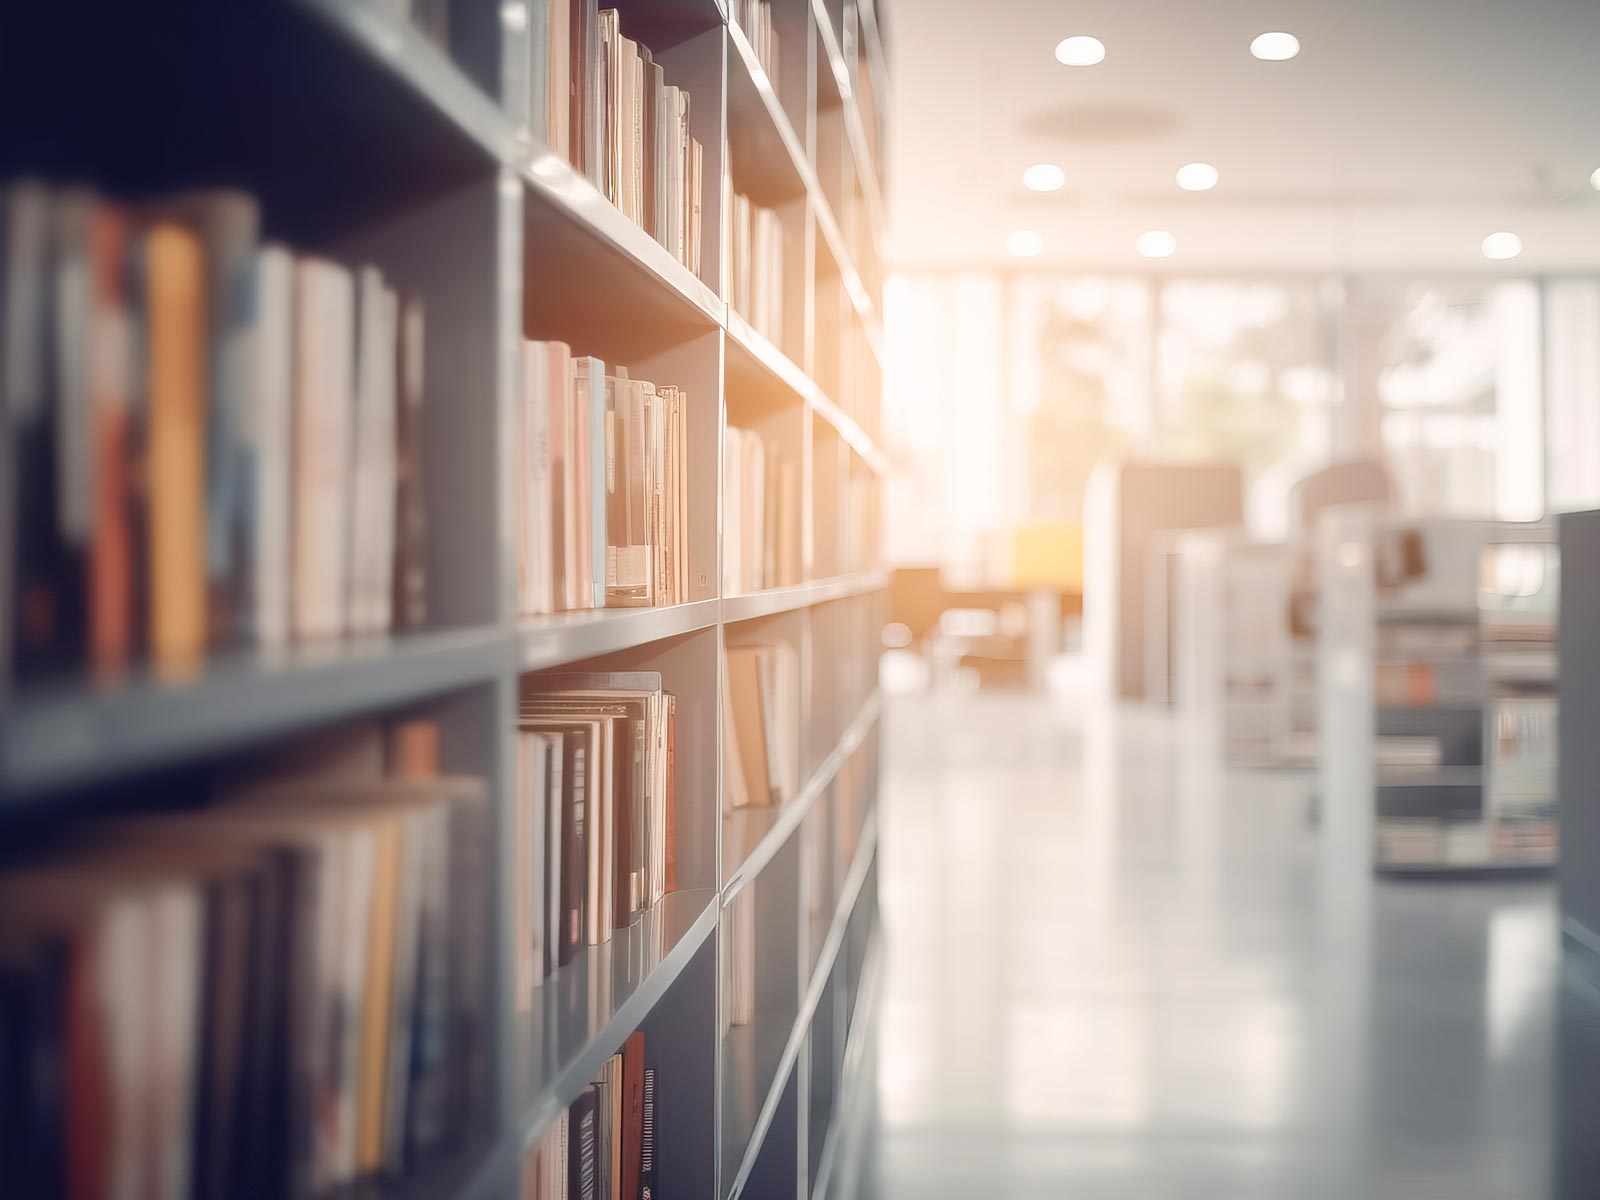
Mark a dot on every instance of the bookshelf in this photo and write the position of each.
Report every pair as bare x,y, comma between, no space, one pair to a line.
1438,673
1579,656
363,139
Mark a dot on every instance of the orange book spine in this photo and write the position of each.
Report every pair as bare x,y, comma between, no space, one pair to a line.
177,366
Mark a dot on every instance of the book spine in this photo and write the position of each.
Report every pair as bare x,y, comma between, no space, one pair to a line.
111,554
592,405
409,605
177,440
270,468
324,384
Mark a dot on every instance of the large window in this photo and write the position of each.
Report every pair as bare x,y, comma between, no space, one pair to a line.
1004,391
1455,368
1245,373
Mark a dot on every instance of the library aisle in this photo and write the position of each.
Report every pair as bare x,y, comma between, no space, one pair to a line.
1112,972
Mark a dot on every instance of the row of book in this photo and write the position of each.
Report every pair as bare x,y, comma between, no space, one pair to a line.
603,1145
760,725
756,279
211,441
754,19
760,515
1415,684
610,112
284,991
595,812
602,486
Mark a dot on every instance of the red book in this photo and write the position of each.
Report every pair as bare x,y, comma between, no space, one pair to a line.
632,1113
110,600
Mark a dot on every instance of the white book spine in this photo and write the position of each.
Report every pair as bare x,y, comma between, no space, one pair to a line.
271,429
324,386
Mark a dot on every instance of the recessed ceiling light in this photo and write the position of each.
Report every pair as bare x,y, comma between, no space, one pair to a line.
1044,177
1157,243
1594,181
1502,245
1080,51
1025,243
1197,177
1275,47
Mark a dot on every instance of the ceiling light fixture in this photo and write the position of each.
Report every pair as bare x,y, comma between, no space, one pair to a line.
1197,177
1025,243
1275,47
1080,51
1502,245
1157,243
1594,181
1044,177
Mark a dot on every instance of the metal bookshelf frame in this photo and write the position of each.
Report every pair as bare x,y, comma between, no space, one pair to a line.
431,165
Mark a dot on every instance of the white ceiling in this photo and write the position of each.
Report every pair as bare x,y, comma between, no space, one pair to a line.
1405,132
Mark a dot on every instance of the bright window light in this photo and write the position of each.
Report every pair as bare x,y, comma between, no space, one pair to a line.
1594,181
1502,245
1025,243
1275,47
1044,177
1157,243
1080,51
1197,177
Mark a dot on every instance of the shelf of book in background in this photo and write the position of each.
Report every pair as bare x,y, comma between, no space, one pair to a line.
345,871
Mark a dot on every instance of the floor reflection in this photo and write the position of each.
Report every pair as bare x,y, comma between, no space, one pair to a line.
1114,971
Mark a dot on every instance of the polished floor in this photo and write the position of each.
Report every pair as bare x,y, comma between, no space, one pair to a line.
1117,970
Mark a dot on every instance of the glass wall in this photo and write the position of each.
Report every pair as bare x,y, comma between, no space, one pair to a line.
1454,366
1005,391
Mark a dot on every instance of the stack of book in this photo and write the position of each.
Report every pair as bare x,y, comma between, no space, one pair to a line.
611,113
210,441
603,1145
284,992
760,515
602,483
754,19
761,725
595,812
756,279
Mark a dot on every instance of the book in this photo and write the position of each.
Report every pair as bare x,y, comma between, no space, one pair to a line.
544,379
256,995
626,124
268,434
410,599
323,400
631,1141
558,74
761,715
227,222
753,18
761,515
603,1144
370,538
177,384
111,366
178,398
606,818
614,529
